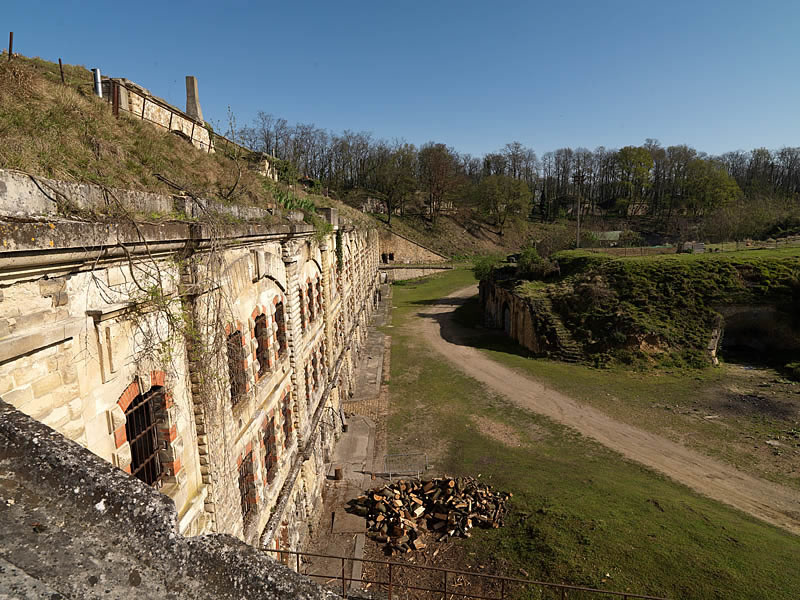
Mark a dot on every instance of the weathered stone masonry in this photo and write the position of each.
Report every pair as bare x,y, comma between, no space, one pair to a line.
235,342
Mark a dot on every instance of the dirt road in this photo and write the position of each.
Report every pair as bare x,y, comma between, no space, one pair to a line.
761,499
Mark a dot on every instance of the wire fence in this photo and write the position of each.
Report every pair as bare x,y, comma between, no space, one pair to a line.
402,580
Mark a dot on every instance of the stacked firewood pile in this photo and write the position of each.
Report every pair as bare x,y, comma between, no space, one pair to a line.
402,513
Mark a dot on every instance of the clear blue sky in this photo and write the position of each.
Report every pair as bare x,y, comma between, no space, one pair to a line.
475,75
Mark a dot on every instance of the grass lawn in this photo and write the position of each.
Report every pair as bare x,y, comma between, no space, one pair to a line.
581,514
728,412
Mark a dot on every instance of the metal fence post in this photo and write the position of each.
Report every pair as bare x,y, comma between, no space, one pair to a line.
298,561
390,581
344,590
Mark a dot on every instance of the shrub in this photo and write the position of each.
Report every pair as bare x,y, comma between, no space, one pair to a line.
483,266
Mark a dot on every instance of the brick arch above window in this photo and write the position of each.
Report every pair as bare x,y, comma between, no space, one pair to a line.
146,433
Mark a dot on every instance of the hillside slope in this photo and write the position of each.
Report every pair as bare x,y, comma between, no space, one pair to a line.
466,233
64,132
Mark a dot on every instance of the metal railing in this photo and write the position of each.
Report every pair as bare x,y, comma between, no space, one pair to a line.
491,587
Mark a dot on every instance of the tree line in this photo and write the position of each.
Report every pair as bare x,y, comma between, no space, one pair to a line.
646,180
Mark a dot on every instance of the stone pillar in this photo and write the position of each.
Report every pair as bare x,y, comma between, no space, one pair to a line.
294,336
193,99
327,294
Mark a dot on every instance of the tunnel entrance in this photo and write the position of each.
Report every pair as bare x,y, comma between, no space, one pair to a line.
759,336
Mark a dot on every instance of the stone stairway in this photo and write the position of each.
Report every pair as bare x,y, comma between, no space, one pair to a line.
568,349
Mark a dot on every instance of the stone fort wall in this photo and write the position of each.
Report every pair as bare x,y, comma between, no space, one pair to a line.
242,338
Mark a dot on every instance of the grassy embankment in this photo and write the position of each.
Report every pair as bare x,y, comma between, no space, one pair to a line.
745,416
64,132
579,511
662,309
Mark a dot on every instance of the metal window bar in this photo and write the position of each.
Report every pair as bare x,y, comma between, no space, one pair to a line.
141,430
302,308
270,450
503,587
262,339
280,321
236,371
287,420
245,484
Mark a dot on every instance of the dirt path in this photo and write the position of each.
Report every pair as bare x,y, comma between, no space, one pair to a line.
762,499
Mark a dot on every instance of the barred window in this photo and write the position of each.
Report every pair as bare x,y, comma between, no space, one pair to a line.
246,487
270,450
311,302
236,371
319,294
262,338
287,421
280,322
141,430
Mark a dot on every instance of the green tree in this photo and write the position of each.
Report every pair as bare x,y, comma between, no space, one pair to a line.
635,164
709,186
438,175
502,196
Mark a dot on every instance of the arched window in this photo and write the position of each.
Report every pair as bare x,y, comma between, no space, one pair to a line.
287,421
312,314
280,323
270,450
247,489
236,372
262,339
141,430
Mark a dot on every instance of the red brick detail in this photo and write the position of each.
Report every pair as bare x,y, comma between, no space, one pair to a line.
127,469
170,434
228,329
168,401
173,467
275,300
128,395
255,313
158,378
249,448
120,436
239,461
